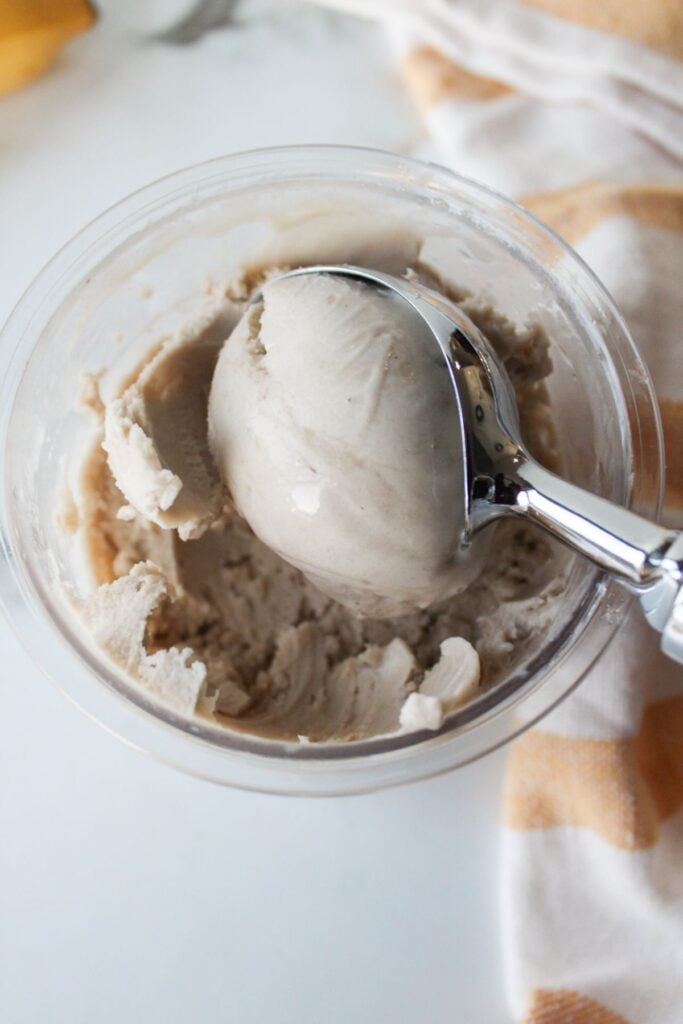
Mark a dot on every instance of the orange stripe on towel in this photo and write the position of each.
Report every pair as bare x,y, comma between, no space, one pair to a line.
619,789
431,78
655,23
659,752
563,1006
575,211
672,421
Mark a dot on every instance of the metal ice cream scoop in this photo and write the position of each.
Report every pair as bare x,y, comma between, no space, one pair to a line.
503,479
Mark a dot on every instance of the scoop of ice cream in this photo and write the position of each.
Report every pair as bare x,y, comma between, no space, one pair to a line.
334,426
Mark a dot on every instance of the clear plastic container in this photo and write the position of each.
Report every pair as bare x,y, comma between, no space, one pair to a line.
135,272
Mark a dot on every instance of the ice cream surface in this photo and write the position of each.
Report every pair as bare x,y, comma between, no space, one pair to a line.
333,422
198,597
155,432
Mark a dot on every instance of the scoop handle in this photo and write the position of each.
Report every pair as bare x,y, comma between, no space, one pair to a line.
645,557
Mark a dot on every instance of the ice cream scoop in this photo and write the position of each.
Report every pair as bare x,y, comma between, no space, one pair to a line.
494,475
332,422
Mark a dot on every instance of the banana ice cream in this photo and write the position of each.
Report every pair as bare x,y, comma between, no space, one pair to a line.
333,423
263,446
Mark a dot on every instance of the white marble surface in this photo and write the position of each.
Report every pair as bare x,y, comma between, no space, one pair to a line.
127,891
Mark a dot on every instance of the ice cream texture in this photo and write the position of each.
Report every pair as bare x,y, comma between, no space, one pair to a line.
334,425
198,514
155,433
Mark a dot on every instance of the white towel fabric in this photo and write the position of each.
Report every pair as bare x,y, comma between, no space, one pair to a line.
586,127
545,57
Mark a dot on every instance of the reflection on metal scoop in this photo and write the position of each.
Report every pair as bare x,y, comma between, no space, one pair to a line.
503,479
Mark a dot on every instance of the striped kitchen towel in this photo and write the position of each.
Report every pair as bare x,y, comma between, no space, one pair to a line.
576,108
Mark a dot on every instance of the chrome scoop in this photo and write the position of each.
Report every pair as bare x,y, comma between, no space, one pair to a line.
503,479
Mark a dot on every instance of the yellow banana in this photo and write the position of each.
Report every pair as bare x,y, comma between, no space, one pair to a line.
33,31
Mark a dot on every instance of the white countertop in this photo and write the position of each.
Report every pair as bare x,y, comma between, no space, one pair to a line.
129,892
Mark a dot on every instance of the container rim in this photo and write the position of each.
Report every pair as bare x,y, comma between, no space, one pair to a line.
211,751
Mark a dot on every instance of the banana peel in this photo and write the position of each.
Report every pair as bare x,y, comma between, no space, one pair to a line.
33,31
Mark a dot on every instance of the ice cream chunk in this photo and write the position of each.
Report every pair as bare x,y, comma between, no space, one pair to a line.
334,425
450,683
155,433
116,618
